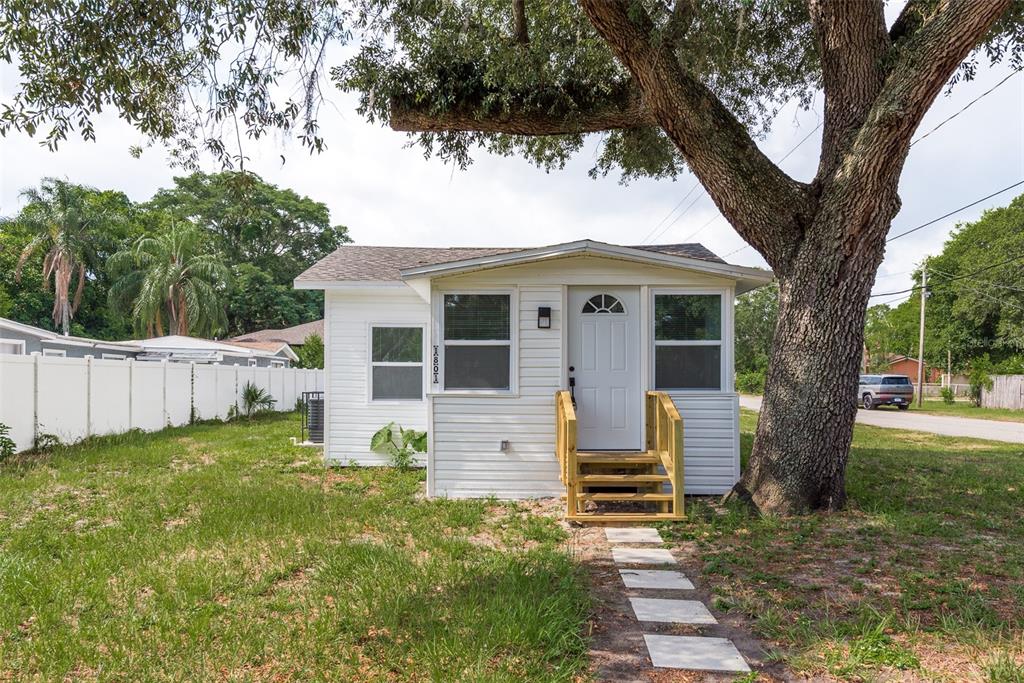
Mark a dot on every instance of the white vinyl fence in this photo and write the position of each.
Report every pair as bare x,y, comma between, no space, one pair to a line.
74,398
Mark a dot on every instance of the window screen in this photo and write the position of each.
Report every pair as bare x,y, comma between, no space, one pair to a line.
688,341
396,360
477,341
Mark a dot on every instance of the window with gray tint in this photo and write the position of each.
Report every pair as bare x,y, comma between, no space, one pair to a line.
688,341
397,363
689,367
477,341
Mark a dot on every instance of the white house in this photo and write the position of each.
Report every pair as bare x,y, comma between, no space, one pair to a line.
473,344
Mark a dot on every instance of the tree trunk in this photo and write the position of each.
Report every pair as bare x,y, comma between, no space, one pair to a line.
806,422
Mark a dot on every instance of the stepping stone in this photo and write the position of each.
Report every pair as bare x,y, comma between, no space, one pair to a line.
632,535
695,652
672,611
666,579
642,556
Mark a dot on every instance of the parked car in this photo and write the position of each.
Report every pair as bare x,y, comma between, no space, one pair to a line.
885,390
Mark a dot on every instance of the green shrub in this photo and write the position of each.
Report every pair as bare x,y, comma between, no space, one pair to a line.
751,382
948,395
401,445
256,400
7,446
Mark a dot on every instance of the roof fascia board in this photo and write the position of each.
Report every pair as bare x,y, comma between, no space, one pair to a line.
348,285
587,247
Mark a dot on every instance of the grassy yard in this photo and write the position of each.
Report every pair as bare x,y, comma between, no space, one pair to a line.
221,552
923,576
967,409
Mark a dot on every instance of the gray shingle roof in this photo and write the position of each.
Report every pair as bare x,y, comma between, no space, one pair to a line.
357,262
293,336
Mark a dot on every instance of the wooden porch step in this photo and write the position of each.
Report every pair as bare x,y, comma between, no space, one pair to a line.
626,458
625,495
624,479
600,517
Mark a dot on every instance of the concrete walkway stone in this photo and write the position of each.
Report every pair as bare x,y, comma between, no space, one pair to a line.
695,652
632,535
642,556
666,579
672,611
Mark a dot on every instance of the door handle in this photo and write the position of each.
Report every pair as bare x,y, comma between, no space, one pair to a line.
572,386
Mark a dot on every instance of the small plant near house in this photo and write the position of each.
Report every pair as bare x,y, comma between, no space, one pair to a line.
948,395
401,445
256,400
6,442
979,379
46,442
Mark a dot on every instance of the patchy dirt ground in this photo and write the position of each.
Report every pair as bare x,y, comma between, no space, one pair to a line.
618,652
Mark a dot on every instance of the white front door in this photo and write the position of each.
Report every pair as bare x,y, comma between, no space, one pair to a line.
604,357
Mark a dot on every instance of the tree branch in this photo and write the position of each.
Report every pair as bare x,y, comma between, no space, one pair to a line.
614,114
761,202
852,45
519,12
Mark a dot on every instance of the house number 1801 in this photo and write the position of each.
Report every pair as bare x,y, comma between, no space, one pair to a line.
435,364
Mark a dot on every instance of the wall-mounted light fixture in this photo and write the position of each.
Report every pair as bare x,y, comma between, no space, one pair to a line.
544,317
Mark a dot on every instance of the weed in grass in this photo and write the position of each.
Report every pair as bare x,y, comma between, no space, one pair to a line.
1001,668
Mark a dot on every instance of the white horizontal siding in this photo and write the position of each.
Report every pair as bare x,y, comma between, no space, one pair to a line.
710,441
351,417
467,460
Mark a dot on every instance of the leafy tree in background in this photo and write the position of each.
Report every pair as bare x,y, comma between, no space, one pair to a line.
311,353
256,302
252,221
67,227
975,305
669,86
172,276
756,313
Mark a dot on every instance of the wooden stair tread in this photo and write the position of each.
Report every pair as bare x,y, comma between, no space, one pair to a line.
617,459
620,478
625,516
627,495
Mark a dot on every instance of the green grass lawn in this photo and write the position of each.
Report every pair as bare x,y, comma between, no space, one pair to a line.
967,409
222,552
922,577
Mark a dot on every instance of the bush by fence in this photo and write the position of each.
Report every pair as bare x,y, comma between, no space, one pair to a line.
74,398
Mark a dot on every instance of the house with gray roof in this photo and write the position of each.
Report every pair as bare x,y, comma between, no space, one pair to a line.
570,369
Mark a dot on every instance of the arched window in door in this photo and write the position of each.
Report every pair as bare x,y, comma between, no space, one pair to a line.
603,303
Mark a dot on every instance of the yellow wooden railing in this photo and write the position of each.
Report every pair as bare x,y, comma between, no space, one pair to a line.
565,447
665,438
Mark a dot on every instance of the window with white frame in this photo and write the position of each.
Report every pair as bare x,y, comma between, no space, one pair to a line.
252,362
477,341
14,347
61,353
396,363
688,341
277,363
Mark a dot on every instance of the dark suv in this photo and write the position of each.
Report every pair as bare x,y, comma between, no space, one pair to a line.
885,390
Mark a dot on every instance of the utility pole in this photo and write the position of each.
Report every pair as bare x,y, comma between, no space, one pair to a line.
920,338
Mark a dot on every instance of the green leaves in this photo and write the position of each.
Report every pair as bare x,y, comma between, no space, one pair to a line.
400,446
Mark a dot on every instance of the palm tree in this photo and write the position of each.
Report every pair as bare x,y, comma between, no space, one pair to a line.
67,225
171,276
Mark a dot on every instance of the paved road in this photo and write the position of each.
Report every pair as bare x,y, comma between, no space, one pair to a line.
1012,432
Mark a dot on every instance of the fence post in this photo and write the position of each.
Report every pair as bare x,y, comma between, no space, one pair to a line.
88,396
131,393
166,420
35,397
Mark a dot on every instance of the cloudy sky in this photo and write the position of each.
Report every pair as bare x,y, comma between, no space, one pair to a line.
388,194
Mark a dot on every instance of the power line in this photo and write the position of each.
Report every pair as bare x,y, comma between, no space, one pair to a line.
955,211
676,219
701,228
954,279
808,137
965,108
988,283
662,221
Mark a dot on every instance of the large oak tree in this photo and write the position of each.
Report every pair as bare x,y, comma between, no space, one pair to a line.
668,85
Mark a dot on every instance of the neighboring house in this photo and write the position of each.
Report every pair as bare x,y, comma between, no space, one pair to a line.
905,365
177,348
21,339
472,344
294,337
